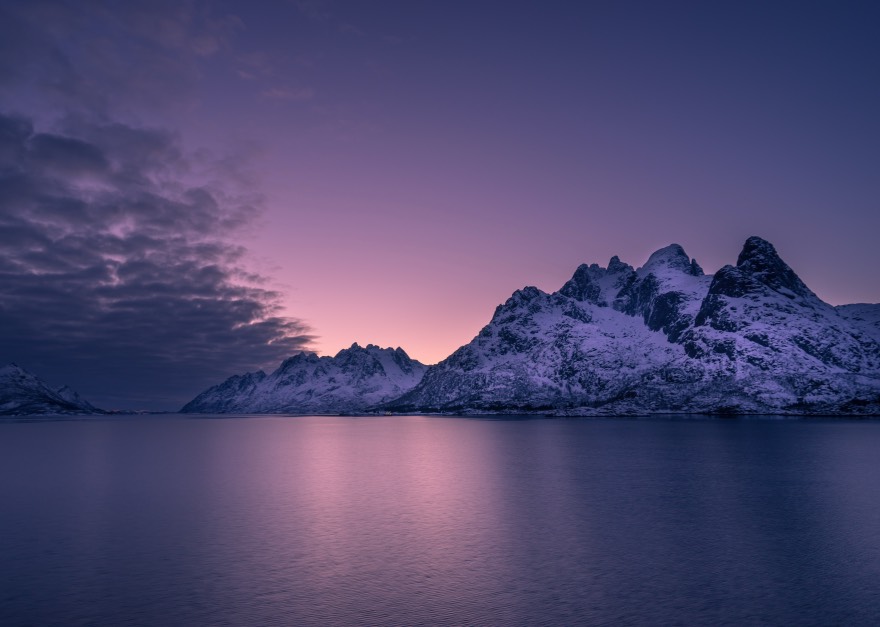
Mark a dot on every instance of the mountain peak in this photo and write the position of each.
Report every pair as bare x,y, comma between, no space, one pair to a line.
356,349
672,256
760,259
12,368
355,379
615,265
298,358
758,250
67,393
583,285
23,393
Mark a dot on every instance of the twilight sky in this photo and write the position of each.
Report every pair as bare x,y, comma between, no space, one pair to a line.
190,190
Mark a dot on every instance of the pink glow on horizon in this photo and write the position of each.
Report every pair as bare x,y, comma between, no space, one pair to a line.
412,193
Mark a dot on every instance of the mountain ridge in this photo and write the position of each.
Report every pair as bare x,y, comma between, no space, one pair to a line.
22,393
753,338
616,340
353,380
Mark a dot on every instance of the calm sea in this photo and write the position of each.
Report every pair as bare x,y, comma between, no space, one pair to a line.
439,521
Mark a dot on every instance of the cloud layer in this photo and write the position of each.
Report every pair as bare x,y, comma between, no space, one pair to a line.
117,269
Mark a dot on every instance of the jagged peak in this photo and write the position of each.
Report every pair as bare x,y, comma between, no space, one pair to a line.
13,371
591,271
757,249
582,285
518,298
237,379
760,259
68,394
672,256
354,349
13,368
372,349
616,266
298,358
529,292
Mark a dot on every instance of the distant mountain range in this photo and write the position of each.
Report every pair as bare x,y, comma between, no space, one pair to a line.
615,340
22,393
355,380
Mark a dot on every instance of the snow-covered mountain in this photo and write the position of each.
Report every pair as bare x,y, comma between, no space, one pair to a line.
864,316
354,380
22,393
666,338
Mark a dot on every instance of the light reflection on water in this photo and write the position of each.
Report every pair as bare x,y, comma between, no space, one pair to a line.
429,520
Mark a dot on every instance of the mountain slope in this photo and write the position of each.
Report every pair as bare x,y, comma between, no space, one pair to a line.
354,380
865,317
22,393
665,338
761,325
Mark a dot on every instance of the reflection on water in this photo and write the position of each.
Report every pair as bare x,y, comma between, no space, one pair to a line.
415,520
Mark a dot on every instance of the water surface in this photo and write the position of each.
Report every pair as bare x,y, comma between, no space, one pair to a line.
437,520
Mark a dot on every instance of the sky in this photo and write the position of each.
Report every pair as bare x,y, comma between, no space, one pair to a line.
195,189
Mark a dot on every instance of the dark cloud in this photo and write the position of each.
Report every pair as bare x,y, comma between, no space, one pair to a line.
118,273
120,268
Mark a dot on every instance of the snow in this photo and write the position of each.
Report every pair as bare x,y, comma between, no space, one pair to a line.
23,393
674,341
354,380
671,257
663,338
865,317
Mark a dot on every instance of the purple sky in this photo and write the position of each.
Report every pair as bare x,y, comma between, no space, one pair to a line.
191,190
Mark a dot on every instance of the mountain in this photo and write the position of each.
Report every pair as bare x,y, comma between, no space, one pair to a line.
864,317
354,380
665,337
22,393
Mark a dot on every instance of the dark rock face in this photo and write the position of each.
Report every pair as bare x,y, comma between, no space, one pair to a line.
582,286
665,314
760,260
733,282
616,266
637,296
597,285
